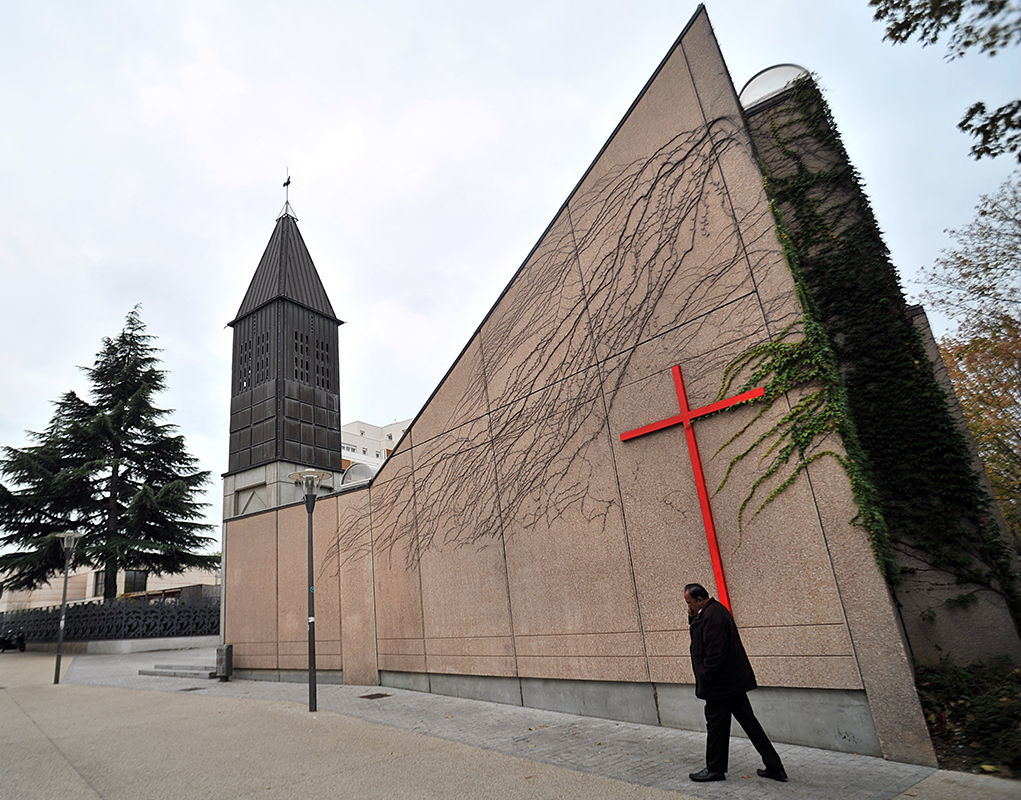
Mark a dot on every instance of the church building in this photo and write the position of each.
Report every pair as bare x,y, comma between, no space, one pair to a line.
704,371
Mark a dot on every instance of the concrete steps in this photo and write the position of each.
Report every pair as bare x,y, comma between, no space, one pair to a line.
199,671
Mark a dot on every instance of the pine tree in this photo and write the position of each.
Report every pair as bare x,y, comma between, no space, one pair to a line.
113,469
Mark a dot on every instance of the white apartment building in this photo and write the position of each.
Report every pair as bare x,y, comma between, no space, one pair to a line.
365,443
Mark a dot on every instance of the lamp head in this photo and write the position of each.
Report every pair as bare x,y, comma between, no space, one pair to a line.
69,539
310,478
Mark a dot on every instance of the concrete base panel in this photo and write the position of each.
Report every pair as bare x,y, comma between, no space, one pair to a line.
490,688
329,676
828,719
628,702
413,681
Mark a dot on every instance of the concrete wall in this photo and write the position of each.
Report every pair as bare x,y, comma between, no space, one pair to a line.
117,646
982,631
513,545
263,487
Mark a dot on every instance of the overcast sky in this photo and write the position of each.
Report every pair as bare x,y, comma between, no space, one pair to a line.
143,146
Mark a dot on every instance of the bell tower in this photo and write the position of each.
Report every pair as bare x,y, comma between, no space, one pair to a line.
285,397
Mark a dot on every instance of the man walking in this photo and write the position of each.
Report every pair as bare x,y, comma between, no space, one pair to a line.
723,677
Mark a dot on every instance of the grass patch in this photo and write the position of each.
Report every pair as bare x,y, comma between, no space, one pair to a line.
974,716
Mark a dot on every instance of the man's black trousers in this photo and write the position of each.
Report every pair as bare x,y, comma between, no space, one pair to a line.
717,721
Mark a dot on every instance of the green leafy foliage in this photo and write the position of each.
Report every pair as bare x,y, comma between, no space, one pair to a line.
974,715
862,370
986,26
804,366
112,469
998,131
983,25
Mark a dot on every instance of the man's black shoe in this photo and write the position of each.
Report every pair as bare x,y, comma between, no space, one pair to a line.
773,774
706,775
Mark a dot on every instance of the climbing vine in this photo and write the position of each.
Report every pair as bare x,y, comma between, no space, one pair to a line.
860,369
804,366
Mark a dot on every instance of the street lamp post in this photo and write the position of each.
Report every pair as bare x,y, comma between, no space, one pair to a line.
311,478
68,540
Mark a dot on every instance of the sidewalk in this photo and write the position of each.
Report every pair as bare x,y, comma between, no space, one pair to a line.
107,732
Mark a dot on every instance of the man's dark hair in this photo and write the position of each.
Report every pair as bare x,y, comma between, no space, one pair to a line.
697,591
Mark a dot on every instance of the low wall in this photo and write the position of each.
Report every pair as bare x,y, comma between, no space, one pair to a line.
117,646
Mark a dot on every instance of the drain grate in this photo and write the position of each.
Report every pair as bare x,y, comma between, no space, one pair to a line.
374,696
192,689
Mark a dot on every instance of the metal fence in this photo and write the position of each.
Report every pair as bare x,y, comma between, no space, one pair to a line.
128,618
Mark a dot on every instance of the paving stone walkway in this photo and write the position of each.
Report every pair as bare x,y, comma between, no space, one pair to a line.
640,755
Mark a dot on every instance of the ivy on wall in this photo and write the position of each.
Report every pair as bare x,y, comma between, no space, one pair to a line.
804,367
861,370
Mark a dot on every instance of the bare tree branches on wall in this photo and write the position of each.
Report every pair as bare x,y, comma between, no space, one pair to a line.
645,249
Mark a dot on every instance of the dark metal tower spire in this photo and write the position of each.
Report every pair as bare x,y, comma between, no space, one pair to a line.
285,396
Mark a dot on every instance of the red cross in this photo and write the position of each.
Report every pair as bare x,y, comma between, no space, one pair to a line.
686,417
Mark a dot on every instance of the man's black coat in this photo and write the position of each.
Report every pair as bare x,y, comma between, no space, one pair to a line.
718,658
